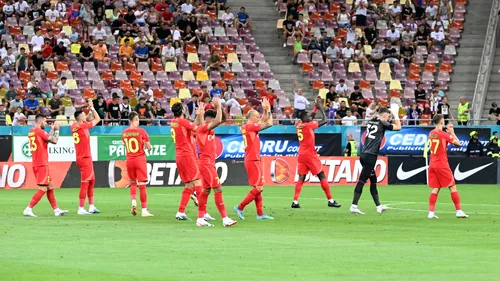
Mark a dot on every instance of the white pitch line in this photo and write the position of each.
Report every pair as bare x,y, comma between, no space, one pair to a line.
425,211
401,203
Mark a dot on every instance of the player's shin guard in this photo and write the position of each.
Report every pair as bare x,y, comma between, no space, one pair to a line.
219,202
52,198
36,198
456,200
326,189
258,204
143,196
373,190
202,204
186,195
298,189
84,186
357,192
90,193
249,198
133,190
432,201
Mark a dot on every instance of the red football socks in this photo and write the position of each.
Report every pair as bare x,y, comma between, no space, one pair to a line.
186,195
258,204
133,190
198,190
326,189
36,198
298,189
143,196
432,201
219,202
84,186
202,204
52,198
456,200
249,198
90,193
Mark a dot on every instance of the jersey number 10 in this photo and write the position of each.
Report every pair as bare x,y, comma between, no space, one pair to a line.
131,144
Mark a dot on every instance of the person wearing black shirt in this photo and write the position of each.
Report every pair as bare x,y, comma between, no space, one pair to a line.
184,22
100,107
60,52
370,35
421,37
159,113
189,36
154,52
143,109
288,26
330,96
134,32
444,109
45,6
36,61
419,12
164,33
420,95
342,110
117,23
375,131
55,106
293,10
35,16
129,17
86,52
407,11
358,99
407,53
495,112
113,111
122,31
390,54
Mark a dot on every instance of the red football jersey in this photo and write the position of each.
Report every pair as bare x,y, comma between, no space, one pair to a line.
193,143
134,139
438,145
81,138
206,144
39,147
251,141
307,139
181,130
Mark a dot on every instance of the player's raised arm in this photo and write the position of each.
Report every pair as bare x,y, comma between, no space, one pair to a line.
97,118
267,118
395,115
451,131
218,117
54,134
200,112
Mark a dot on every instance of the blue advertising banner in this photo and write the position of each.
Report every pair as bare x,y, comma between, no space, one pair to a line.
411,140
232,147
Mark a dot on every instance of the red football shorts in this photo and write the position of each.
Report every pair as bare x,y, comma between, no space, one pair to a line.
309,163
440,178
86,168
137,169
209,176
255,173
42,175
187,166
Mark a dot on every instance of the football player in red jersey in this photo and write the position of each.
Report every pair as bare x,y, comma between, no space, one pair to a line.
136,140
308,158
205,138
81,139
253,163
38,140
182,131
440,175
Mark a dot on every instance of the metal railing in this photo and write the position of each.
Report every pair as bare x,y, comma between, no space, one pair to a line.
487,58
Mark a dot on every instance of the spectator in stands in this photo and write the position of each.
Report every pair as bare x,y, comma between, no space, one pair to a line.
221,4
422,37
100,106
101,52
141,37
300,102
8,9
154,52
475,147
3,115
229,93
333,54
494,113
214,62
313,44
464,109
164,33
61,8
330,95
438,37
19,118
22,60
341,88
187,7
62,87
348,53
140,16
204,93
287,118
412,115
45,85
359,54
216,90
168,53
35,16
159,113
390,54
349,119
324,42
15,103
357,99
445,9
444,109
37,41
360,11
113,111
352,34
189,37
371,110
434,100
36,61
125,110
74,36
407,53
407,10
31,106
55,106
193,106
99,33
293,9
394,35
431,10
11,93
407,35
146,92
60,53
420,94
343,18
53,17
377,55
64,38
439,23
47,50
342,110
370,35
228,18
86,52
288,28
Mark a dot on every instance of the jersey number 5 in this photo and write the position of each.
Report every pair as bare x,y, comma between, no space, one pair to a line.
132,145
371,129
33,145
300,136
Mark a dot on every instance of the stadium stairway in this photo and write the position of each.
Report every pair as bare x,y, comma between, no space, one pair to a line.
466,68
264,17
493,93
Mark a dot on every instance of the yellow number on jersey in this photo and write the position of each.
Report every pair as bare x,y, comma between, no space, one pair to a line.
430,143
245,140
172,132
132,145
300,135
218,180
33,144
76,138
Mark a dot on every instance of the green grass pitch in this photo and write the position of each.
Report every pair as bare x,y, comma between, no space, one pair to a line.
311,243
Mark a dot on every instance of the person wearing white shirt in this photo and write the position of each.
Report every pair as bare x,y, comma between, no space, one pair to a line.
21,7
140,16
228,18
52,14
168,53
9,60
431,11
394,35
37,41
99,33
187,7
8,9
341,88
370,111
62,87
18,117
395,9
349,120
348,53
146,93
438,22
438,37
61,8
64,39
299,101
176,36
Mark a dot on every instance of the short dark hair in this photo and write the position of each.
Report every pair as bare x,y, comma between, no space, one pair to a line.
132,115
383,110
210,113
38,116
437,118
302,114
177,109
77,114
64,78
125,98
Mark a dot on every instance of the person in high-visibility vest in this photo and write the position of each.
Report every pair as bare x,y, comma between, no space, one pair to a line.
351,149
493,148
464,109
495,136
